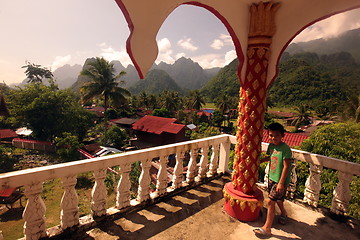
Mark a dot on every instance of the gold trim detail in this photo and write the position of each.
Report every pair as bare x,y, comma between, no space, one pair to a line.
242,203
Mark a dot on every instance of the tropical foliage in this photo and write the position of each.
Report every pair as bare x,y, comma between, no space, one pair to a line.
104,84
48,112
342,141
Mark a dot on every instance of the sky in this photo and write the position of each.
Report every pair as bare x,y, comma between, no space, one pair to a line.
52,34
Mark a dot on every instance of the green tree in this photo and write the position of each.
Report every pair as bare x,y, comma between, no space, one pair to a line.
342,141
170,100
35,73
302,117
162,112
196,100
67,147
48,112
116,137
104,84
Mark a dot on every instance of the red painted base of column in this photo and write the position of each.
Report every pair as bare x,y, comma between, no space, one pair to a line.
242,206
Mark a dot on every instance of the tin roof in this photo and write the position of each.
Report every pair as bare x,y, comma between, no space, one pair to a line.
157,125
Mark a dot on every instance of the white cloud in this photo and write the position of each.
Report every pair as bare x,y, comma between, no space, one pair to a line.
223,40
111,54
187,44
60,61
215,60
330,27
179,55
230,56
165,51
217,44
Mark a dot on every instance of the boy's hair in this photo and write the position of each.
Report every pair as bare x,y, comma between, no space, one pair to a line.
277,127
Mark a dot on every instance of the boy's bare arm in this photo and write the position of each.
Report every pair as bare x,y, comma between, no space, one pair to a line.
280,187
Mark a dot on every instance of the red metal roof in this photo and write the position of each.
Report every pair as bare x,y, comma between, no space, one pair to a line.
291,139
157,125
7,133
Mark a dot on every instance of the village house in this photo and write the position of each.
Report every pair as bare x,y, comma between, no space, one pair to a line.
155,131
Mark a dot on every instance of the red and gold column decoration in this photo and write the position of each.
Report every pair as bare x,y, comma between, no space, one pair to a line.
242,198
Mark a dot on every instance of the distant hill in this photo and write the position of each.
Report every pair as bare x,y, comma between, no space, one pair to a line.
66,75
349,42
226,81
187,74
155,82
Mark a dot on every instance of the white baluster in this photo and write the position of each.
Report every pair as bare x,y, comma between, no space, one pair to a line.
99,193
162,179
203,163
178,170
266,176
34,213
224,156
69,204
144,181
123,187
190,175
214,160
341,199
313,185
291,189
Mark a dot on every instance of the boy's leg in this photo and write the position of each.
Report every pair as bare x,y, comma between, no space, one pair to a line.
282,208
270,215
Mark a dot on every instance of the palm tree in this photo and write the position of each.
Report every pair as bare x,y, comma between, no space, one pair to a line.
170,100
104,84
302,115
196,101
223,103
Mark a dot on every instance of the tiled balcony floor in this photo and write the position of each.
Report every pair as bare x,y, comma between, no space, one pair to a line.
197,214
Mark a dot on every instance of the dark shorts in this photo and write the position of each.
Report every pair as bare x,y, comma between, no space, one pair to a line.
273,194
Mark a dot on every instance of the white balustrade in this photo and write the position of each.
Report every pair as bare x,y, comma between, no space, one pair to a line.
190,175
162,176
214,160
34,213
144,181
178,170
341,199
313,185
123,187
69,215
203,163
99,194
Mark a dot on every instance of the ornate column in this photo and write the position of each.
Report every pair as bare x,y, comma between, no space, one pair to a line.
144,181
123,187
242,198
203,163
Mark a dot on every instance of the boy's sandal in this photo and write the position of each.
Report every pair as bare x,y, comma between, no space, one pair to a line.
282,219
261,232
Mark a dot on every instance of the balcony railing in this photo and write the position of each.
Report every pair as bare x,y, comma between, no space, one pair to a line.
208,157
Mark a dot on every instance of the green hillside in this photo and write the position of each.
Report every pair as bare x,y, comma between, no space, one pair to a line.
155,82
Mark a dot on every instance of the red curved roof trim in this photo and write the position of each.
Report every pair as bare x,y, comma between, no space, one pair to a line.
128,41
231,31
298,32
